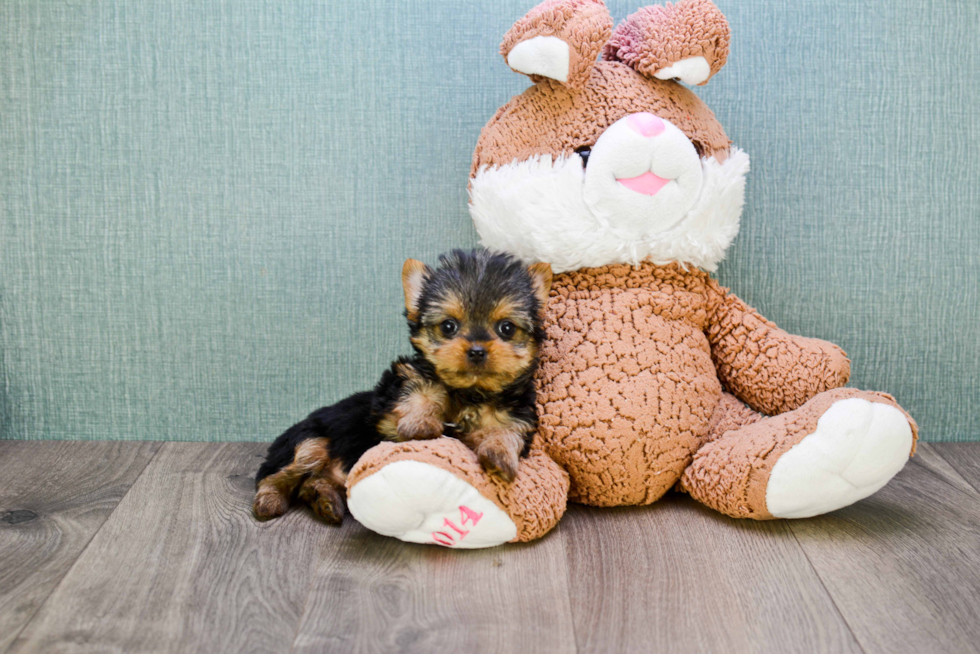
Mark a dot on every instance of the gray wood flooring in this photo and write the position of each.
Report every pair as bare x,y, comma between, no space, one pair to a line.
150,547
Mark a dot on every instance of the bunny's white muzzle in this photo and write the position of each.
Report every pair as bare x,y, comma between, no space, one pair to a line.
643,176
644,195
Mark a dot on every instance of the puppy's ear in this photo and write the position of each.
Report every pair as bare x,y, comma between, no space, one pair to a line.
559,40
686,41
541,281
414,273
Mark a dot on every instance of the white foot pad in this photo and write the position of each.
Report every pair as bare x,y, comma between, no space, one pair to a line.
419,503
856,448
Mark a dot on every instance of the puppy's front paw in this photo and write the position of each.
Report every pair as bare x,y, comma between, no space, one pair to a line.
499,462
414,428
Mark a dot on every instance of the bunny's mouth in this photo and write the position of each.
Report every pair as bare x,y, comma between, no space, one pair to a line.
647,183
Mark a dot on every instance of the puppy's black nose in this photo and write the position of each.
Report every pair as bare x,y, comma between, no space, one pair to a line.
477,354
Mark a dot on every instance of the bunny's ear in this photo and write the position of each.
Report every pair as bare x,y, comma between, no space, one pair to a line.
687,41
559,40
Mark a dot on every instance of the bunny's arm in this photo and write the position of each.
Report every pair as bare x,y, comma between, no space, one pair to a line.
767,368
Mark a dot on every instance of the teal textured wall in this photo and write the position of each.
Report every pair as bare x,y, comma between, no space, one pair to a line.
204,204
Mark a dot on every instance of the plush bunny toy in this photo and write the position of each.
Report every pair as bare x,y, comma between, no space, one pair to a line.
653,376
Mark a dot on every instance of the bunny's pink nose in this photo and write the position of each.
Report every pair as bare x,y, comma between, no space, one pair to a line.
645,124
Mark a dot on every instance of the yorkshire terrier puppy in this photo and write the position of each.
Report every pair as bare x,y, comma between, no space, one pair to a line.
475,325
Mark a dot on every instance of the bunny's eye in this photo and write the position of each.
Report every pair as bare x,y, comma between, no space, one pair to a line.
584,151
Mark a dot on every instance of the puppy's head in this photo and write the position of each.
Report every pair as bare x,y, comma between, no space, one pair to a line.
477,317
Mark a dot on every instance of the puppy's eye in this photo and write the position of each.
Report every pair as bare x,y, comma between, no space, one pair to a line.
584,151
449,327
506,329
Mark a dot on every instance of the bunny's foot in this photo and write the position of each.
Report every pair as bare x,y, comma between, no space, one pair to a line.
436,492
838,448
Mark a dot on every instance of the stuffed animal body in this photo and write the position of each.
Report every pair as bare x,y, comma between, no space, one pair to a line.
652,375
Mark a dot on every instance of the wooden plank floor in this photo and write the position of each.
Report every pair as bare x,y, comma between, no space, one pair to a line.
54,497
148,547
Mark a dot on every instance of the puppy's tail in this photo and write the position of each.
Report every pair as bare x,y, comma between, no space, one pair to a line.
274,490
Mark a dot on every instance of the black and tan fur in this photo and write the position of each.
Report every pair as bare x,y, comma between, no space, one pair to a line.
475,324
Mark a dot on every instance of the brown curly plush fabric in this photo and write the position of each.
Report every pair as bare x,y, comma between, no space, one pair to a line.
550,119
585,25
657,37
731,413
535,501
631,375
770,370
731,473
627,386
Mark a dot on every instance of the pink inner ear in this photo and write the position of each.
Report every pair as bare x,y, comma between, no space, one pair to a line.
646,124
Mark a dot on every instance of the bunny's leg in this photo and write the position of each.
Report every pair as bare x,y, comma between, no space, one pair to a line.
436,492
838,448
730,414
